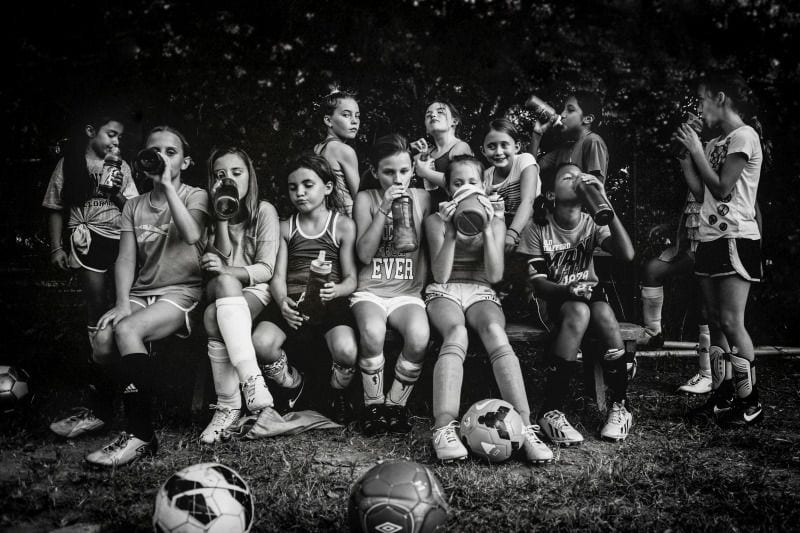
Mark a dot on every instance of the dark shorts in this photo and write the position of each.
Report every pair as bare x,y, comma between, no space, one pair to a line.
337,313
101,255
728,257
553,307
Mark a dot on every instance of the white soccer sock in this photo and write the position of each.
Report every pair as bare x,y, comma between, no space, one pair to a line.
372,378
282,373
233,318
226,382
703,345
341,376
652,302
406,374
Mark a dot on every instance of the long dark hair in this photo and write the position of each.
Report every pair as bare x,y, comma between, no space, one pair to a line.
251,199
79,184
319,166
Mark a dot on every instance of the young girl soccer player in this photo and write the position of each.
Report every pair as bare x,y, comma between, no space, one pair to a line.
317,226
390,286
241,259
342,119
442,120
93,221
560,241
582,146
725,178
464,269
158,280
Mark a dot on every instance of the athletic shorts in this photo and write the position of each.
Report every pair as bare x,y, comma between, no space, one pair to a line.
728,257
337,313
100,256
389,305
181,301
261,292
464,294
553,311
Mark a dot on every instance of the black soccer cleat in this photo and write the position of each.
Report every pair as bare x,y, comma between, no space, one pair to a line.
744,411
289,399
337,408
717,405
373,420
397,419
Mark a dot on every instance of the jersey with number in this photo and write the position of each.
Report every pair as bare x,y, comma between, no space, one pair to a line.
562,255
302,249
510,189
735,215
391,273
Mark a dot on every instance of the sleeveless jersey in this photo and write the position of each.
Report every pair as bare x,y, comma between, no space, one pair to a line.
392,273
304,248
341,183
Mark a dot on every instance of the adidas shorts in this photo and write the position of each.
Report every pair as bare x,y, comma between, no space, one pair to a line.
464,294
183,302
389,305
728,257
100,257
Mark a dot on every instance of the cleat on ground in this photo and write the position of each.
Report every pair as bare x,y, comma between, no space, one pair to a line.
558,430
536,451
447,445
80,422
125,450
221,421
618,423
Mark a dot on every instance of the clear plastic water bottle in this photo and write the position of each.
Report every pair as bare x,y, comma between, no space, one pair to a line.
112,166
405,232
226,199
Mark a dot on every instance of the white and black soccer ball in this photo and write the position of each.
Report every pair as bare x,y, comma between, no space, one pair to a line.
207,497
397,497
493,430
13,387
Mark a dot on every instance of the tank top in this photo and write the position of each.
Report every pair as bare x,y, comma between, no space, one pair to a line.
392,273
341,183
438,194
304,248
468,261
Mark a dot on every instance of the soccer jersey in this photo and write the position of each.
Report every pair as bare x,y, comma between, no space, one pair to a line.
735,215
589,152
562,255
166,263
98,213
302,249
510,188
391,273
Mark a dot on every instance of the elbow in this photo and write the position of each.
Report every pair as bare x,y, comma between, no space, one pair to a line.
494,277
628,255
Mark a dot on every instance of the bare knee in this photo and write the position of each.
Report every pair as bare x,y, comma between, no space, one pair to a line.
103,348
126,330
730,323
225,285
456,334
344,350
267,341
373,336
575,315
210,321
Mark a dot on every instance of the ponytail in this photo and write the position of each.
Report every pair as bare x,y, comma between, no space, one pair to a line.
766,144
541,207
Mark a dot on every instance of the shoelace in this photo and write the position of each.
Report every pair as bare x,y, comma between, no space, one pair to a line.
118,444
448,432
222,414
616,416
531,436
695,380
558,420
80,412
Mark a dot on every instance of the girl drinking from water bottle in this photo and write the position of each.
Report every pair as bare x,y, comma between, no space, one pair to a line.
241,259
464,268
390,285
316,236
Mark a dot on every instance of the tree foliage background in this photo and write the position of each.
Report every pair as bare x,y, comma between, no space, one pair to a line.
249,73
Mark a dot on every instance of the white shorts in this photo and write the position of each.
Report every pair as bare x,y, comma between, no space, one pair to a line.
261,292
464,294
177,299
389,305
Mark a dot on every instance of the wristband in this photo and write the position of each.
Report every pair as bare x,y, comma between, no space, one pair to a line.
385,213
54,250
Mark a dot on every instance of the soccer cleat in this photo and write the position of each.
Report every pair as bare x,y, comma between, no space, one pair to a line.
373,420
337,407
697,384
555,426
618,423
256,393
649,341
397,419
288,399
447,445
744,411
536,451
717,405
224,418
81,421
123,451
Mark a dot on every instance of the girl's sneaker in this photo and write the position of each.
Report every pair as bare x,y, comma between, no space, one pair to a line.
555,426
123,451
618,423
536,451
447,445
698,384
81,421
224,417
256,394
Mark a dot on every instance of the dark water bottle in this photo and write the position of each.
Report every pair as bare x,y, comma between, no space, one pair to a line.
470,217
319,274
149,161
676,148
595,203
226,199
112,166
405,233
542,111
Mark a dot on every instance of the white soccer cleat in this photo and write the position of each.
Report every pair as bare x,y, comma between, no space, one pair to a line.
555,426
536,451
123,451
224,418
618,423
81,421
256,394
698,384
447,445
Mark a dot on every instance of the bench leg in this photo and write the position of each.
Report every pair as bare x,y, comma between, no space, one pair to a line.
599,383
201,377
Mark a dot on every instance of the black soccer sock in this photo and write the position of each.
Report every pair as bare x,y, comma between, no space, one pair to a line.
617,379
137,371
557,386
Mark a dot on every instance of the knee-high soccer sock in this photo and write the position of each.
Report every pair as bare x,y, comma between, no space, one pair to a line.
406,374
652,302
557,385
226,381
744,378
137,395
341,376
703,347
233,318
282,373
372,378
508,374
616,368
448,375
